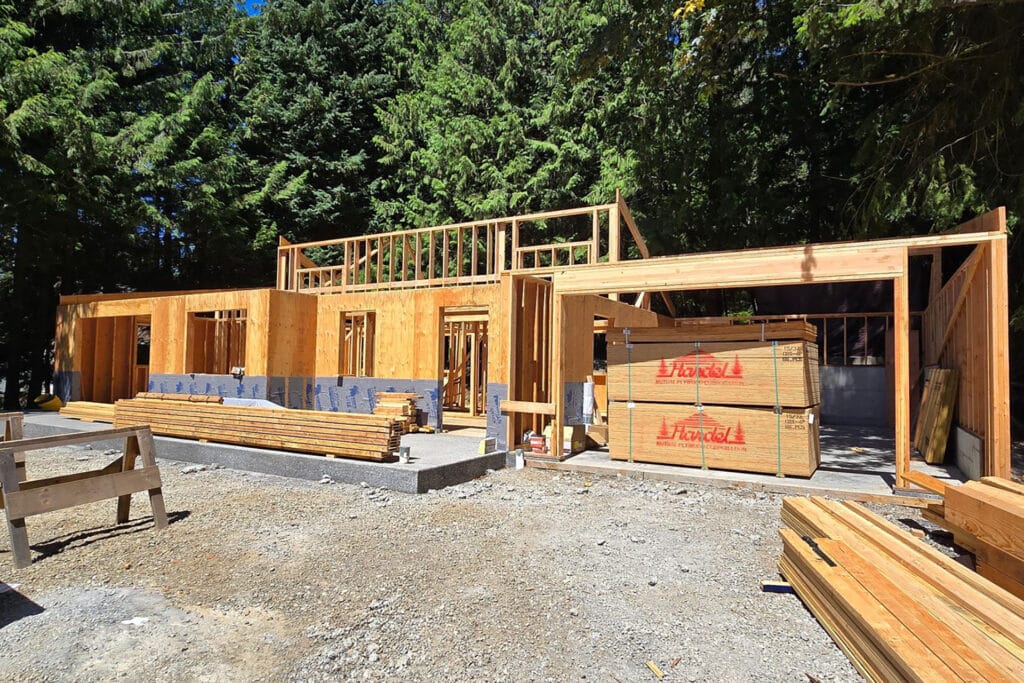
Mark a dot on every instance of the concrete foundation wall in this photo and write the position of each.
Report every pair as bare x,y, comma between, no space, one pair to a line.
67,385
854,395
497,422
359,394
289,392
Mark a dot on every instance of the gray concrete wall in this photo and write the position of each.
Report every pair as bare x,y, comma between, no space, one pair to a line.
67,386
854,395
573,393
359,394
210,385
497,422
289,392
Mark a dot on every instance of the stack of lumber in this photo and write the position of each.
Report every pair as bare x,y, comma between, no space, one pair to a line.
370,437
987,518
898,608
89,411
938,399
684,330
400,406
189,398
734,397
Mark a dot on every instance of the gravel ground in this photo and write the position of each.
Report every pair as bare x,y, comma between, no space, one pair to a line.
518,576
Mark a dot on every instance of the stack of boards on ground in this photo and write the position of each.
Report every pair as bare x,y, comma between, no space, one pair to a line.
986,518
400,406
706,395
899,608
88,411
369,437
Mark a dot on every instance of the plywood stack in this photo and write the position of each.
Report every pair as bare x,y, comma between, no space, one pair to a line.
400,406
898,608
89,411
736,397
987,518
938,400
369,437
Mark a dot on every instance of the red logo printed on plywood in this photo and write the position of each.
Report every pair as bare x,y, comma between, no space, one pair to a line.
691,431
706,366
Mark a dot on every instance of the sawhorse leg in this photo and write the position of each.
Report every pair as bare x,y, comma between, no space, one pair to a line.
16,527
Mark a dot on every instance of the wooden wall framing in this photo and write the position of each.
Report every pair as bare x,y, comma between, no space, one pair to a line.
541,312
829,263
278,329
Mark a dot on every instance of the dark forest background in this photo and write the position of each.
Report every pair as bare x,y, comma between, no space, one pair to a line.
165,144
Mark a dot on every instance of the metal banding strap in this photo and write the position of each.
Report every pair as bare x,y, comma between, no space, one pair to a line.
778,411
629,388
700,407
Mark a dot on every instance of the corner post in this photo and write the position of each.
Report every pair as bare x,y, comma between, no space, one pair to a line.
901,371
996,458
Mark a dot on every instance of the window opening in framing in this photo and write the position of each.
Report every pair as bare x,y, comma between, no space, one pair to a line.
216,341
357,344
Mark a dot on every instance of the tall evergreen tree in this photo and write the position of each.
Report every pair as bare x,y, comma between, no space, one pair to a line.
114,156
312,74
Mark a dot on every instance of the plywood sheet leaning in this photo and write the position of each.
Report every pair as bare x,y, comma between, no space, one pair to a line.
734,373
369,437
718,437
938,401
987,518
898,608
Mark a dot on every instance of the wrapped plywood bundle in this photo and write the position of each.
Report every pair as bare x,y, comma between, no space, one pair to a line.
718,437
752,373
687,331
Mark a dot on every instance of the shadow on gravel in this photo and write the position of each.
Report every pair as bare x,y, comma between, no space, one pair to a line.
80,539
15,606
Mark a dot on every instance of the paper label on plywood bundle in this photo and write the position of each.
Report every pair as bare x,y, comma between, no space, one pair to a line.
726,437
733,373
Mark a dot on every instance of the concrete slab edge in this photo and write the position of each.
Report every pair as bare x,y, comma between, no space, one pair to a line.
779,488
302,466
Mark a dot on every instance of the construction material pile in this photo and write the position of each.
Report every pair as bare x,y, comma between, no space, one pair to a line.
89,411
734,397
351,435
400,406
987,518
898,608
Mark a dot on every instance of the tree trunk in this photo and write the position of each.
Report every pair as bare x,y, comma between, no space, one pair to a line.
16,324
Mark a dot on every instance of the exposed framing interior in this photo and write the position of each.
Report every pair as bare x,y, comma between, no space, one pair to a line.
483,321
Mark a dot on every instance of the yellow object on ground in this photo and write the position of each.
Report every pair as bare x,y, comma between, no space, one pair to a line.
47,402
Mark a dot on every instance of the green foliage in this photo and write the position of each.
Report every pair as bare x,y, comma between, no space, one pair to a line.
492,117
310,79
167,143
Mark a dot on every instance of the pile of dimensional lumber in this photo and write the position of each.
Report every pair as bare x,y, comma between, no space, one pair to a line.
938,400
369,437
898,608
400,406
88,411
734,397
986,518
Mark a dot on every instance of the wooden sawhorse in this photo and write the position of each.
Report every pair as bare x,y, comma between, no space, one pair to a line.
12,428
120,479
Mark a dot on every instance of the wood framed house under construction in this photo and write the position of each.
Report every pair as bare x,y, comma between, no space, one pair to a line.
493,324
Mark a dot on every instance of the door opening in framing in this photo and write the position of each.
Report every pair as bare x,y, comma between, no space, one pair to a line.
115,352
464,367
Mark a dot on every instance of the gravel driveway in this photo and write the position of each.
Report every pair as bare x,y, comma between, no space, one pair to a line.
518,576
